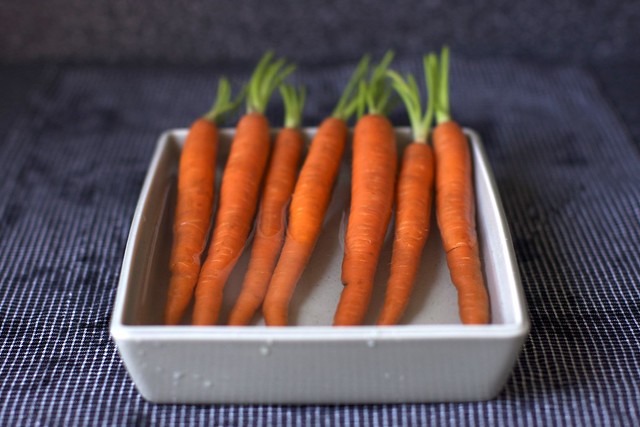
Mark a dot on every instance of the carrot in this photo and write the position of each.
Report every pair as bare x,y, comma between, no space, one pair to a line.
413,200
455,203
310,201
196,183
372,191
238,191
278,186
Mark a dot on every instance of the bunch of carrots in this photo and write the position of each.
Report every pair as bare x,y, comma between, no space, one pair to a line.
272,187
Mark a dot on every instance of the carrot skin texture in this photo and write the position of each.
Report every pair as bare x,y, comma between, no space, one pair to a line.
267,242
285,278
414,196
372,191
455,211
238,201
309,204
196,188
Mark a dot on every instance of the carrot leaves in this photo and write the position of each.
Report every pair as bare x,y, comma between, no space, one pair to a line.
367,91
407,89
437,83
348,103
223,104
440,84
293,105
377,91
361,94
267,76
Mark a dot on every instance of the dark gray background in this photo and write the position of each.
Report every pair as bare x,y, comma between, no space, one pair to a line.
589,31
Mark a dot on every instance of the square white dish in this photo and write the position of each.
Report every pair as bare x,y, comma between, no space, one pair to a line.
430,358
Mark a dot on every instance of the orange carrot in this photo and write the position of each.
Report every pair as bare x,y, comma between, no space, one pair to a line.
309,204
280,179
239,191
372,191
196,183
413,200
455,205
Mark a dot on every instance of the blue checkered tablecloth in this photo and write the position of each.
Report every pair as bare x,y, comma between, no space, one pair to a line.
75,143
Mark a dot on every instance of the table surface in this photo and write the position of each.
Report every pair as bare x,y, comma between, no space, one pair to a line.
75,143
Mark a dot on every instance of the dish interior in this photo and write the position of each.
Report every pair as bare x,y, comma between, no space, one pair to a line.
434,299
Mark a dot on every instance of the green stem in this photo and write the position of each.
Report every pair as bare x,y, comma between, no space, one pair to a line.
224,104
293,105
440,82
267,76
376,92
361,99
348,100
409,93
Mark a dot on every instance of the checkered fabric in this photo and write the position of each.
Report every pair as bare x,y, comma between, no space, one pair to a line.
75,143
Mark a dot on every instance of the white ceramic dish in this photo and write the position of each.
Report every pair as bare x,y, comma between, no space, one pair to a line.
432,357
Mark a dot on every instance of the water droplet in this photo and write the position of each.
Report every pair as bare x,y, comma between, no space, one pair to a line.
158,368
207,383
387,375
265,350
178,375
371,343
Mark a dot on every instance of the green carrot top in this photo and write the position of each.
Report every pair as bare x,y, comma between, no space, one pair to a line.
440,84
293,105
223,104
348,103
409,92
374,95
267,76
